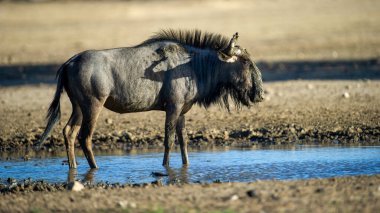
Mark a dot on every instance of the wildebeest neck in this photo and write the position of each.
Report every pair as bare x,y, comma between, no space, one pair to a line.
209,76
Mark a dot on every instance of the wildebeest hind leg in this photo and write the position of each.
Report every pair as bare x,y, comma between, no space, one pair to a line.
182,139
70,133
90,116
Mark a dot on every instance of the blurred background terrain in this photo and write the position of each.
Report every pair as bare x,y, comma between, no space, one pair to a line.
51,31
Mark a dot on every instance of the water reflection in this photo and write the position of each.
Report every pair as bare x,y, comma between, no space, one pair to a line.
174,176
242,165
89,176
171,176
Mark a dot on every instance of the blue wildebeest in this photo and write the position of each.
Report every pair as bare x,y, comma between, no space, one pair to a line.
171,72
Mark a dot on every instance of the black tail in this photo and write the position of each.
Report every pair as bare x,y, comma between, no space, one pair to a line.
54,112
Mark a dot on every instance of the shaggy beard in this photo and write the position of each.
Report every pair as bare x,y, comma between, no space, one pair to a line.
239,98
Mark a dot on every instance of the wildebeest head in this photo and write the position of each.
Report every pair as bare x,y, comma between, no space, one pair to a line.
244,79
222,68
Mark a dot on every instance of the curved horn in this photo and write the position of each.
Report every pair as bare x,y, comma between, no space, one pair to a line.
230,48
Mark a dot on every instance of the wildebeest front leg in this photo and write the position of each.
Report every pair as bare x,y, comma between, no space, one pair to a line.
172,115
182,139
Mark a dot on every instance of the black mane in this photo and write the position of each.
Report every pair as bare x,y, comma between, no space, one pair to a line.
195,38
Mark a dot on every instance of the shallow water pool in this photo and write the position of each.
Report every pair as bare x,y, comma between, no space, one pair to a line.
238,165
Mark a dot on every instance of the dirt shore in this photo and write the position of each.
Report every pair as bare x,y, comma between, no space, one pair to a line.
341,194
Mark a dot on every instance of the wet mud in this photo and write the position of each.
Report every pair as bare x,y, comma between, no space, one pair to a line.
289,134
348,194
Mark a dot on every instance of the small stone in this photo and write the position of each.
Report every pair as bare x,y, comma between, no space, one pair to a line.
346,95
109,121
26,158
226,135
351,130
234,197
319,190
251,193
11,180
75,186
334,54
157,183
128,135
125,204
132,205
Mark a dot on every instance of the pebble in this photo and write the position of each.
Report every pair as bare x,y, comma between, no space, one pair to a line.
75,186
123,204
234,197
157,183
334,54
346,95
128,135
226,135
252,193
319,190
126,204
109,121
11,180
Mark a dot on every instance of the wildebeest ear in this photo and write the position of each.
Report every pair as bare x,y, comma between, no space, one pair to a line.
226,58
230,49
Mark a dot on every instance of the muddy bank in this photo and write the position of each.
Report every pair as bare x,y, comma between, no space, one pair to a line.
288,134
294,112
11,185
348,194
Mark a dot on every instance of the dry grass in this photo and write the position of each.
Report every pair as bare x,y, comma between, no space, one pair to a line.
33,33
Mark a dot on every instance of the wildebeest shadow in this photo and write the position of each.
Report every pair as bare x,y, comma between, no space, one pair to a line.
13,75
155,72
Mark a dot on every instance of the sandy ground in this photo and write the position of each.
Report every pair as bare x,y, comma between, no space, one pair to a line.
345,194
303,112
52,32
